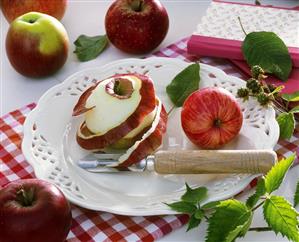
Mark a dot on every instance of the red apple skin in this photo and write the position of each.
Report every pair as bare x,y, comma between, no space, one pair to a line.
200,113
22,48
48,219
80,105
136,32
14,8
146,106
150,144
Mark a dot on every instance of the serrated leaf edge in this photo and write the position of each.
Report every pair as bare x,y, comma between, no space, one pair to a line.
272,174
296,195
258,193
274,229
248,211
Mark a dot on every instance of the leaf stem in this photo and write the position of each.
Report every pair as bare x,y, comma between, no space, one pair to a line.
279,106
260,229
170,111
256,207
242,25
287,105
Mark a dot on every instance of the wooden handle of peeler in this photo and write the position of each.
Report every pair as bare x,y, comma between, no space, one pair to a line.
214,161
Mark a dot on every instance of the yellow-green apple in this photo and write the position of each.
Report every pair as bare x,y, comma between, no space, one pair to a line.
14,8
33,210
118,107
211,117
136,26
37,44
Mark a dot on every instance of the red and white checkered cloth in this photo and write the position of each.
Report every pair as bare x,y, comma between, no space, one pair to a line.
100,226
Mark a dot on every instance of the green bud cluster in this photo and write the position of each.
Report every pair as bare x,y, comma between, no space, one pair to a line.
256,88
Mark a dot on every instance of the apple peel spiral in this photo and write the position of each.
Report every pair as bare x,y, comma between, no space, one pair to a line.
121,114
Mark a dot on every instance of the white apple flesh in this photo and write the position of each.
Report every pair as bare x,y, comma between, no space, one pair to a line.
116,110
110,111
148,119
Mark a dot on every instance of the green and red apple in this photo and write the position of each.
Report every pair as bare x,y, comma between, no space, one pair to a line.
14,8
37,44
121,112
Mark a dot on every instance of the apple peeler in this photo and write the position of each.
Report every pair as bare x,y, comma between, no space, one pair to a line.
188,162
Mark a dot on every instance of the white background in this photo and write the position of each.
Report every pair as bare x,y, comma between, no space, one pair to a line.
87,17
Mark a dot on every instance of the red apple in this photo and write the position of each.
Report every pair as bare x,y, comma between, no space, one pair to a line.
113,109
33,210
136,26
36,44
14,8
211,117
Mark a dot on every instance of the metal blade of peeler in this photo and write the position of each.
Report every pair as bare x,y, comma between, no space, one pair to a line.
103,163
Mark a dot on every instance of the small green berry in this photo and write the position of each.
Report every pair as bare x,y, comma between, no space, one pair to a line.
263,99
257,72
243,93
254,85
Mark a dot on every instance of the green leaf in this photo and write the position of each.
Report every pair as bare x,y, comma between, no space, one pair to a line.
210,205
275,176
234,234
239,231
295,110
267,50
184,83
286,122
246,226
281,217
193,222
88,48
260,191
292,97
194,195
229,214
182,207
296,196
199,214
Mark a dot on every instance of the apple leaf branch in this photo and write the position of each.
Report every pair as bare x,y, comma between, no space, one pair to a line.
279,214
266,53
267,50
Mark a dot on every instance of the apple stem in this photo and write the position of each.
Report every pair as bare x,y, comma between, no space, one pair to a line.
25,198
217,122
137,5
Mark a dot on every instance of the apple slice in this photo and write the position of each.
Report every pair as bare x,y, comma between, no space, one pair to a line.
150,141
113,108
136,134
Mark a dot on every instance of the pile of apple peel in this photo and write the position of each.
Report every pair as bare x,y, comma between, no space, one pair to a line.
122,114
